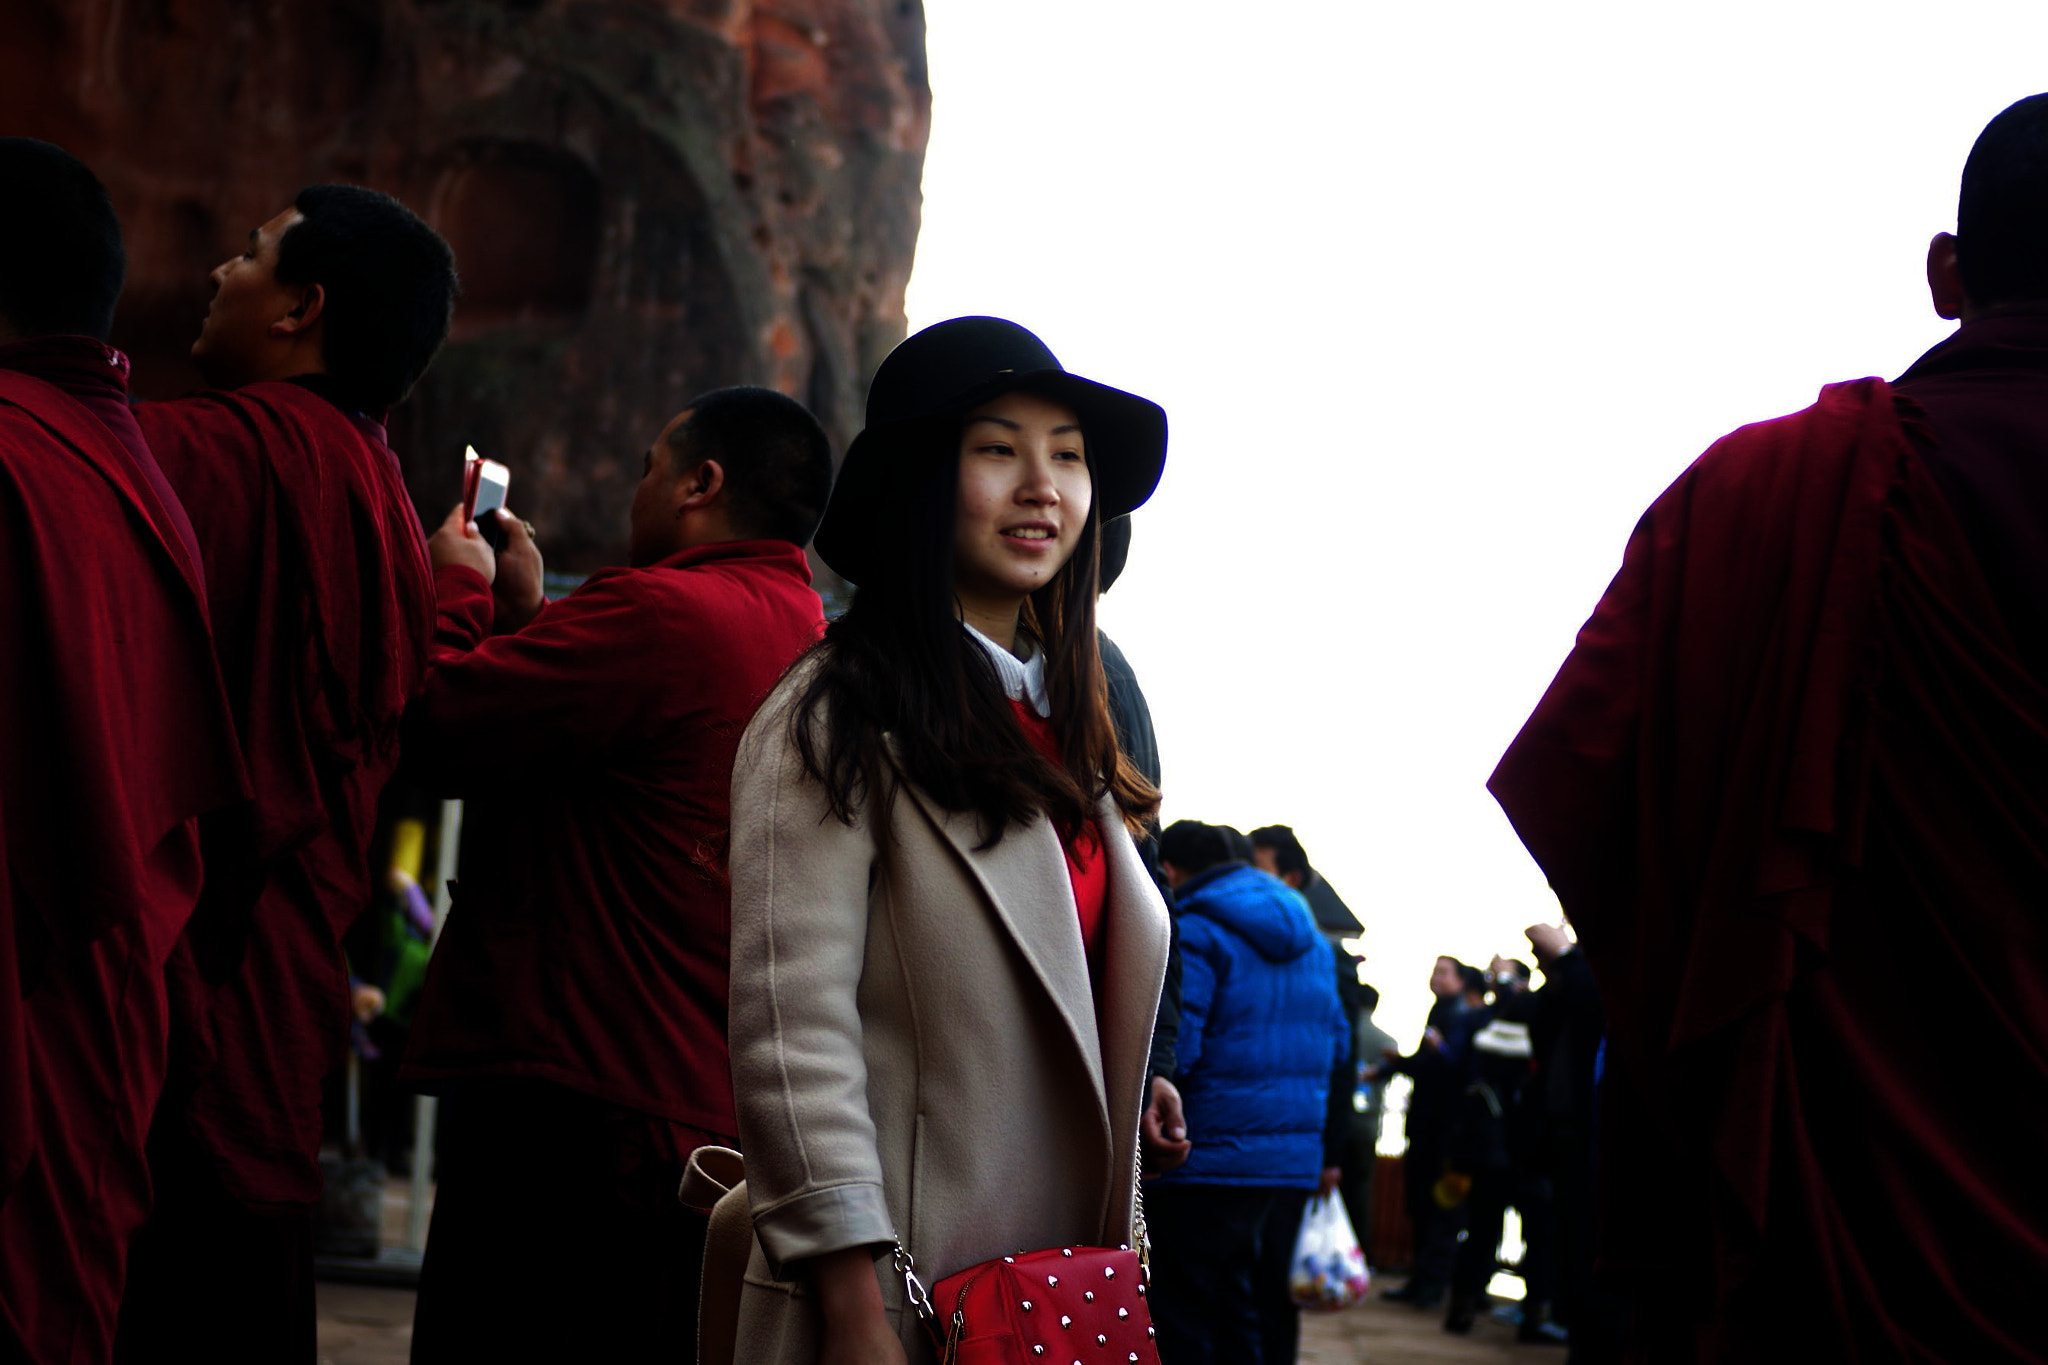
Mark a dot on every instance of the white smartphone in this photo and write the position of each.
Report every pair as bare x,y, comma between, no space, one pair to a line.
484,483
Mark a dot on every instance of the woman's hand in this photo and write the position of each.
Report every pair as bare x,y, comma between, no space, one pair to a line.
857,1330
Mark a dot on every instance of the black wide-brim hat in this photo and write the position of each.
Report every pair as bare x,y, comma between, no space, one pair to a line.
943,373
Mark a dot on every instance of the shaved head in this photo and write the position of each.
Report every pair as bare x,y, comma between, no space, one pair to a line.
2002,217
61,259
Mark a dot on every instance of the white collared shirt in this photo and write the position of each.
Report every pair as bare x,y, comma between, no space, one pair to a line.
1022,679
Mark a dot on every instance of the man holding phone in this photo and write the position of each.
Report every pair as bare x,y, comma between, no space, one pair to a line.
575,1009
322,606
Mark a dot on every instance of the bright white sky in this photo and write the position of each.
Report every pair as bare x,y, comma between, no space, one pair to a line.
1437,298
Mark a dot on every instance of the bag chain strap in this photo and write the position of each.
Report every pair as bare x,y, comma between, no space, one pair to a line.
1139,1234
904,1264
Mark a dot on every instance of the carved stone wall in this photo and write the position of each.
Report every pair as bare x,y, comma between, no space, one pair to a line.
645,199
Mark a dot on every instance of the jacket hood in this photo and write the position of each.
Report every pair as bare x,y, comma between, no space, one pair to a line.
1263,911
1333,916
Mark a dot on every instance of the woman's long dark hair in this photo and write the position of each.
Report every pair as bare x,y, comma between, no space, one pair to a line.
898,663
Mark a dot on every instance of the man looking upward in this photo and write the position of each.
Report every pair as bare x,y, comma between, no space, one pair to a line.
1792,788
575,1010
322,608
114,738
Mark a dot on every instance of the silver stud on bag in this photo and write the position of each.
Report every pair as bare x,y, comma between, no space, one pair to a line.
1009,1260
1066,1321
1067,1252
1151,1332
1052,1281
1109,1272
1141,1291
1101,1340
1122,1313
1026,1305
1038,1350
1134,1358
1087,1296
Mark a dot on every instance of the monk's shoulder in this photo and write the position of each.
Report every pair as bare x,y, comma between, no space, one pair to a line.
273,416
36,417
723,594
53,460
1847,420
629,611
23,434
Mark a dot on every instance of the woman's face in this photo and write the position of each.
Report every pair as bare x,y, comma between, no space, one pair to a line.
1024,498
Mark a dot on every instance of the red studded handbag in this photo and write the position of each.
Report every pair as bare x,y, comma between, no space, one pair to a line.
1063,1306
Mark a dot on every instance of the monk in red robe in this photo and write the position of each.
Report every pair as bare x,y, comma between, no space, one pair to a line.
574,1013
116,739
322,605
1792,788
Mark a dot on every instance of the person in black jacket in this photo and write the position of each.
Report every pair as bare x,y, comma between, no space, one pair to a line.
1496,1140
1565,1034
1436,1068
1164,1133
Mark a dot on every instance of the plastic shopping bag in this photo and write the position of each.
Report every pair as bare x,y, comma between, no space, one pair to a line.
1329,1270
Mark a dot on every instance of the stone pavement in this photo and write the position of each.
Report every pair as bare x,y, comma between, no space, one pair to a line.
1379,1333
372,1325
362,1324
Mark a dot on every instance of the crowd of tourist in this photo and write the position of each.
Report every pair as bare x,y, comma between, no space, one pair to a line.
1501,1115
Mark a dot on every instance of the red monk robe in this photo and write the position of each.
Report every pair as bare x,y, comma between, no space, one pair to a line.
322,607
1792,788
117,738
576,1002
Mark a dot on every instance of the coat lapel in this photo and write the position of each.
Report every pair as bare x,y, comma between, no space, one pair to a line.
1025,880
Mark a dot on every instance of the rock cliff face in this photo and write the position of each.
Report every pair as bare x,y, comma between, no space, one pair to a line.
645,199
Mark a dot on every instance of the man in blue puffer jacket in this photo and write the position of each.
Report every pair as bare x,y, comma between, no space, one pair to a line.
1261,1028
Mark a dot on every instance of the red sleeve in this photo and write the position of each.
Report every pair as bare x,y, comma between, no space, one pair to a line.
462,612
566,689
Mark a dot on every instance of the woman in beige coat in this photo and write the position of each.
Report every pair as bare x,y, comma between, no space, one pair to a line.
946,953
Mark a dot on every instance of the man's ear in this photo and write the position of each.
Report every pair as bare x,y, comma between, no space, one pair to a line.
1944,280
1297,880
312,302
700,486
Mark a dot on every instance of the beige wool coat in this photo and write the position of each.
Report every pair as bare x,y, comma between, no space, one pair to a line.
917,1047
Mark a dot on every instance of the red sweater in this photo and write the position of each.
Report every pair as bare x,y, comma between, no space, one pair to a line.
588,945
1086,867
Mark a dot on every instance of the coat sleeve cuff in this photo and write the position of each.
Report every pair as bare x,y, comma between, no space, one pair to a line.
818,1221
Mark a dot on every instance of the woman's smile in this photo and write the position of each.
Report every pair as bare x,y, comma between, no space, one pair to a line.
1025,494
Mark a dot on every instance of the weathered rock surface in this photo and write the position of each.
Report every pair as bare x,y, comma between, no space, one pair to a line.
645,199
